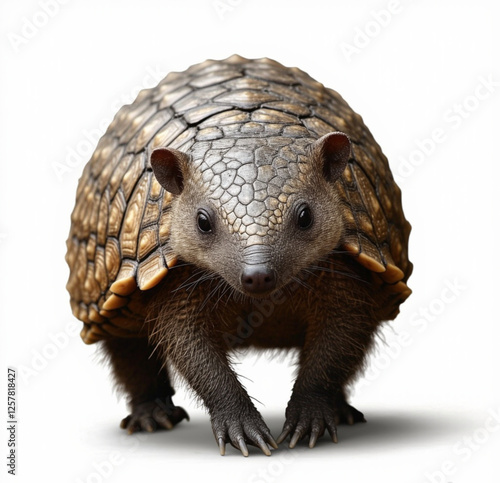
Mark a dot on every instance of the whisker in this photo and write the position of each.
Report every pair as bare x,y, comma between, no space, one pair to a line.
310,272
322,268
212,292
223,292
204,275
187,282
337,251
302,283
234,294
179,265
334,270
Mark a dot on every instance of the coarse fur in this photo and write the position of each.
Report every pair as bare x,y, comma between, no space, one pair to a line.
196,330
320,303
237,205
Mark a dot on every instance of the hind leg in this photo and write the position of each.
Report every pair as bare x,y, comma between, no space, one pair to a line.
345,413
141,375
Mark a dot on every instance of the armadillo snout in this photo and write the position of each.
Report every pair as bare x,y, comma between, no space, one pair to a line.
258,279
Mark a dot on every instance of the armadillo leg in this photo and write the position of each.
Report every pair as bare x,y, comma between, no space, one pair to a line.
201,358
334,350
145,380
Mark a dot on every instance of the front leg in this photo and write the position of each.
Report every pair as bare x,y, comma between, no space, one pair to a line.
336,344
196,348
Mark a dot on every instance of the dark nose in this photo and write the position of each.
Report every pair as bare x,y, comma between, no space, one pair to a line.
258,279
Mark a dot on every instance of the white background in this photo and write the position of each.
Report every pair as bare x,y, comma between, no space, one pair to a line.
431,391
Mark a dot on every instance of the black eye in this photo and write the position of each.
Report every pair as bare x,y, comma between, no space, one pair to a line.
304,218
204,222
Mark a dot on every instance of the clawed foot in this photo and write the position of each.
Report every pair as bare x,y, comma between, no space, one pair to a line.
310,417
152,415
346,414
240,429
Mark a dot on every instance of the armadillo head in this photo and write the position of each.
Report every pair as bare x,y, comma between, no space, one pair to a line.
256,212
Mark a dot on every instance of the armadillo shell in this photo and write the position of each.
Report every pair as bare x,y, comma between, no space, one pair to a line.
119,237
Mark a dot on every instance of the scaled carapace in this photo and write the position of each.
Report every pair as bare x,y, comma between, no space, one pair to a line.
237,204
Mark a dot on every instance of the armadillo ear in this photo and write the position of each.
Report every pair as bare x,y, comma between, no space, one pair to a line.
334,149
167,164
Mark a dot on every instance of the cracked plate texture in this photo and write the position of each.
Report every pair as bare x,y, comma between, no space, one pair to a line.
247,125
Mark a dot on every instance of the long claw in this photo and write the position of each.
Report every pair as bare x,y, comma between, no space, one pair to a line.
271,441
295,438
124,422
333,433
222,446
240,430
166,423
317,430
149,426
133,428
283,436
313,439
262,445
243,446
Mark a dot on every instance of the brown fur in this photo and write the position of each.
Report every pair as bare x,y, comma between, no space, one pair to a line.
327,313
287,234
319,301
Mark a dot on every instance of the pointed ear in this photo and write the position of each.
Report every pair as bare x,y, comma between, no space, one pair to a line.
334,150
167,164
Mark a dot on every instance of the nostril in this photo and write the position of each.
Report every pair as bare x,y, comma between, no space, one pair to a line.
258,279
247,280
